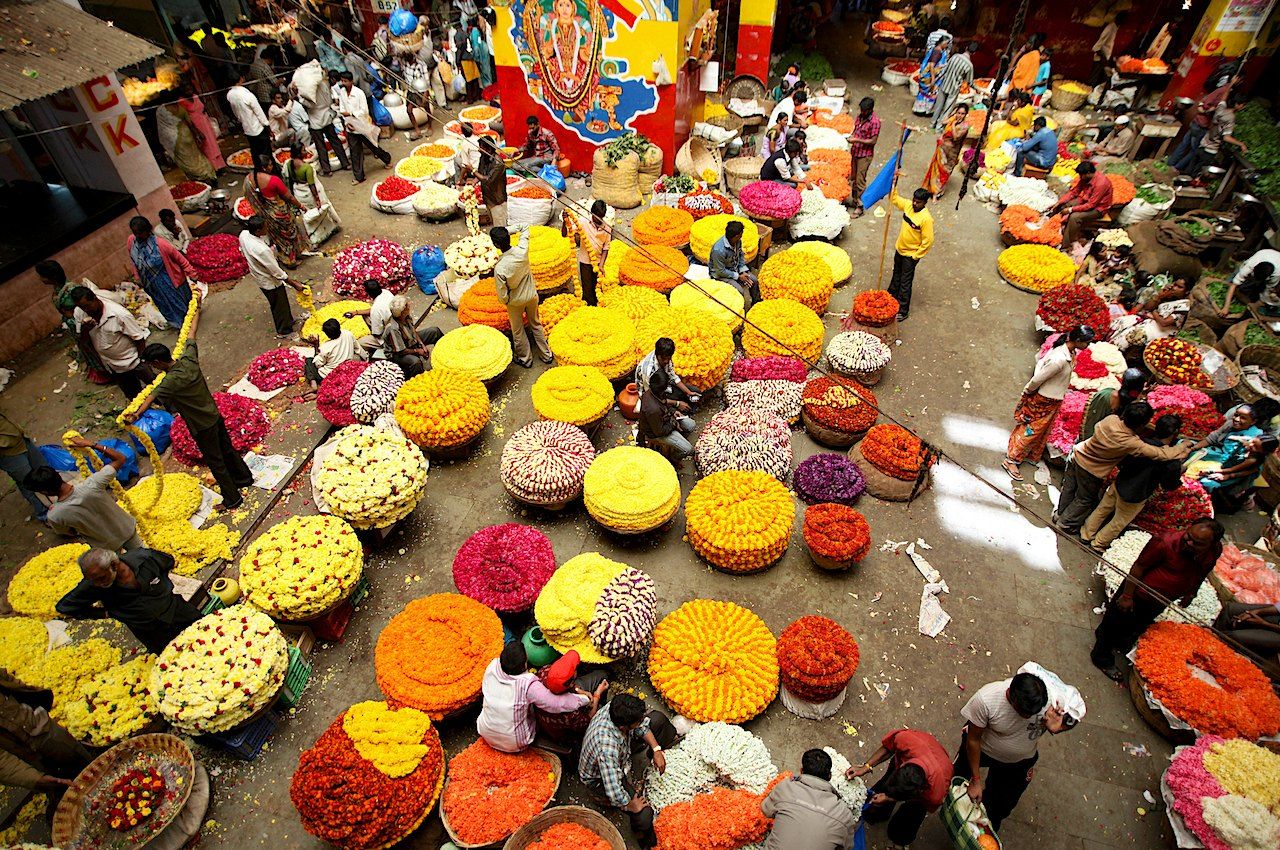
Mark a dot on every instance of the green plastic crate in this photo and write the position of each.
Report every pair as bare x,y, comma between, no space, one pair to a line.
361,592
213,603
295,678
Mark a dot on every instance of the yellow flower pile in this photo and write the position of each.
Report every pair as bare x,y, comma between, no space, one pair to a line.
552,260
579,395
175,500
714,661
23,644
635,302
715,297
39,583
799,277
192,548
706,232
1035,267
632,489
555,308
106,707
417,167
611,273
599,608
1246,769
372,478
1065,168
836,259
739,521
792,329
302,567
655,267
597,336
704,344
389,738
312,328
442,409
478,350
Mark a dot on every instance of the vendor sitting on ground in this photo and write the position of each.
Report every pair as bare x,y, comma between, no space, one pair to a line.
401,342
728,263
1040,149
1256,283
511,693
775,138
664,419
660,358
1160,316
785,166
1084,203
1231,486
1118,145
540,146
339,346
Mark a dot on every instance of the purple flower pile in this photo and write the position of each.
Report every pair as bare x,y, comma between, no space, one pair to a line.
828,478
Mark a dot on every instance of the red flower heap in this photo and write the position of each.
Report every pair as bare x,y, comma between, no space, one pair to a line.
276,368
134,797
1070,305
247,423
504,566
492,794
816,658
1199,415
874,308
395,188
186,189
217,258
1179,360
333,399
836,531
373,259
1174,510
840,403
1088,368
893,450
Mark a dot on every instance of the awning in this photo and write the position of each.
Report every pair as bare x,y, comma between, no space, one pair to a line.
47,46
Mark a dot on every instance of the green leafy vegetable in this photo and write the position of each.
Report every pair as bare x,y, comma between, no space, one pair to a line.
1255,334
623,145
1217,290
1196,228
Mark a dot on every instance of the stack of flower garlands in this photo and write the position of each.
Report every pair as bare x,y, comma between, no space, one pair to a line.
771,367
1241,704
477,350
247,423
1174,510
1199,415
837,411
779,398
217,258
491,794
829,180
1072,305
1178,360
893,450
504,566
220,671
782,327
1099,366
371,778
599,608
1065,432
479,305
313,327
816,658
611,271
770,200
721,819
100,697
1227,792
706,232
711,755
794,275
837,260
631,490
44,579
372,478
274,369
828,477
598,336
745,438
739,521
874,308
395,188
836,533
704,345
1038,268
552,260
635,302
567,835
302,567
375,390
713,297
333,398
714,660
435,201
701,203
655,267
667,226
442,409
1125,550
432,655
472,256
579,395
544,463
555,308
1023,225
373,259
858,353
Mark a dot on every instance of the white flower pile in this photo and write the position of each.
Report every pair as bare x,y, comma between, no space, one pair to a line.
372,478
546,461
1114,237
857,351
825,139
472,256
1242,823
819,216
374,392
1027,192
1125,550
1111,357
747,439
852,792
435,201
781,398
711,755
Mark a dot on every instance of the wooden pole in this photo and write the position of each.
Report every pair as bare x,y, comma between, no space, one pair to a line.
884,242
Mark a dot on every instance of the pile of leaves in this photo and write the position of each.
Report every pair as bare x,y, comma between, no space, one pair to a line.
623,145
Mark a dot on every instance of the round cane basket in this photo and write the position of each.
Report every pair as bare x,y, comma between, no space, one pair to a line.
867,378
886,487
553,764
888,334
1266,356
1225,596
830,564
1224,379
694,159
594,821
1019,285
1066,101
740,171
1156,720
728,121
457,452
832,437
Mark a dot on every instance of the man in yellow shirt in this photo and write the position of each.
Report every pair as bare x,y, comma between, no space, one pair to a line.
914,241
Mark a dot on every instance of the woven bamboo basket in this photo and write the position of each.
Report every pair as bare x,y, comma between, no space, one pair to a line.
1225,379
888,334
832,437
1266,356
740,171
546,506
1225,596
694,159
553,764
1156,720
728,121
1064,100
594,821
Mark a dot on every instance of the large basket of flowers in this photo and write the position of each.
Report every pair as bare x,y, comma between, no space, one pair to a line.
837,536
567,827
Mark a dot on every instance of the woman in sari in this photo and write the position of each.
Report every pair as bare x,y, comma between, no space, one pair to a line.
52,274
930,68
1021,114
162,270
947,154
1159,316
1225,449
199,118
1229,485
300,177
1041,399
480,47
271,199
182,142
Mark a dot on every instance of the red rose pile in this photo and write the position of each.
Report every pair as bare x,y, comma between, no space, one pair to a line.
1070,305
333,399
276,368
246,420
395,188
186,189
1174,510
217,258
816,658
135,795
1199,415
373,259
1179,360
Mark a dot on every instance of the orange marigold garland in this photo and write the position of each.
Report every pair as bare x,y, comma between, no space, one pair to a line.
722,819
662,226
836,531
893,450
830,181
874,308
479,305
837,160
841,122
816,658
568,836
655,267
1242,705
1024,224
491,794
841,404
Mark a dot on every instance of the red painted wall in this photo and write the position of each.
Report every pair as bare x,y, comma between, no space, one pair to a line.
754,42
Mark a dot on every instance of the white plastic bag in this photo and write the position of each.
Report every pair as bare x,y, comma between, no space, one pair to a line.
661,74
451,288
321,223
1062,695
313,84
1139,210
404,206
523,213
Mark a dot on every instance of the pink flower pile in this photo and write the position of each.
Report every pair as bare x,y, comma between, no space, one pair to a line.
1199,415
246,420
1176,509
1191,782
771,368
504,566
768,199
373,259
276,368
217,258
333,399
1066,425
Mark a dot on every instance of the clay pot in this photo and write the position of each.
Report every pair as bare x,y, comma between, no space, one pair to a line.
629,402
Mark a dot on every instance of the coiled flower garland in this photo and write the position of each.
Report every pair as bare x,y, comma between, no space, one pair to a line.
745,438
665,226
372,478
504,566
816,658
579,395
705,232
302,567
782,327
442,409
545,462
631,489
477,350
601,609
739,521
596,336
836,531
795,276
714,297
704,345
374,392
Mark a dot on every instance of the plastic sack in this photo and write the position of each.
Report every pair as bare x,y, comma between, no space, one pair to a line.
1139,210
63,461
155,424
402,22
404,206
523,213
1249,578
312,84
380,114
428,262
552,176
1064,696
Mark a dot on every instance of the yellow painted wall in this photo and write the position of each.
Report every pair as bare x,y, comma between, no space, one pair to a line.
1212,38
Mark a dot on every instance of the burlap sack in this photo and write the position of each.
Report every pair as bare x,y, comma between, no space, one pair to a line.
886,487
650,167
1069,123
1205,309
1232,341
1173,235
1152,257
1202,332
617,185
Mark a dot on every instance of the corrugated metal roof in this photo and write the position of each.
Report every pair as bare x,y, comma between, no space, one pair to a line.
47,46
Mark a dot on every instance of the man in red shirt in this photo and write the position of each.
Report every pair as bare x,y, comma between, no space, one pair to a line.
1171,566
1084,203
915,784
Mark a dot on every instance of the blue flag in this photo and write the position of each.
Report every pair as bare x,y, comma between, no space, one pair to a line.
879,187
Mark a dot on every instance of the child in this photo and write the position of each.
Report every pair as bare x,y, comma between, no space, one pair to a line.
775,137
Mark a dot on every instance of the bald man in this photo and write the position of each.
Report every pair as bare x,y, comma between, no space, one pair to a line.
134,589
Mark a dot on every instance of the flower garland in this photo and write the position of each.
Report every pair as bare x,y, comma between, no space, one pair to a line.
1179,361
827,179
1026,192
714,297
636,302
819,215
417,167
836,531
373,259
435,201
246,421
631,489
721,819
714,660
442,409
780,398
857,351
1246,769
462,636
479,305
704,345
573,228
1065,432
375,390
313,327
276,368
599,608
895,451
1245,824
841,122
579,395
568,836
472,256
1200,416
220,671
656,267
395,188
1122,190
739,521
1035,267
706,232
1242,703
745,438
1098,366
711,755
333,399
874,308
701,203
795,276
816,658
598,336
302,567
1174,510
842,164
1070,305
174,498
187,189
217,258
840,404
504,566
1026,225
545,462
785,328
555,308
552,260
44,579
665,226
24,642
109,706
769,199
837,260
372,478
1226,791
478,350
612,269
828,477
771,367
491,794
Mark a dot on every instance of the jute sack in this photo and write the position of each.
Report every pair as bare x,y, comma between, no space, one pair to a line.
1233,340
1205,334
1154,258
650,167
617,185
886,487
1205,309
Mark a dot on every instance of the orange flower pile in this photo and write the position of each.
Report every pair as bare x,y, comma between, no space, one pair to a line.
437,151
874,308
533,191
829,181
1122,189
568,836
841,404
836,531
491,794
432,655
840,122
662,226
723,819
837,160
816,658
1015,221
893,450
1242,705
655,267
479,305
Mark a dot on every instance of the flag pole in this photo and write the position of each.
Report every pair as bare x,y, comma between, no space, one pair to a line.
884,242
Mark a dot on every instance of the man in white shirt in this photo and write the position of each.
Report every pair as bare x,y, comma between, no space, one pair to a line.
320,118
1256,281
339,346
172,230
379,313
249,113
352,104
266,272
115,334
278,119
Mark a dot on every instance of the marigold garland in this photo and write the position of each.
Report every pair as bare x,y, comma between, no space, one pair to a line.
491,794
874,308
739,521
704,345
302,567
462,636
828,180
612,269
701,203
552,259
655,267
840,404
636,302
479,305
313,327
1026,225
714,660
599,608
504,566
836,531
893,450
785,328
795,275
816,658
841,122
44,579
714,297
442,408
568,836
579,395
600,337
839,160
545,462
631,489
555,308
837,259
706,232
1035,267
478,350
173,498
667,226
372,477
721,819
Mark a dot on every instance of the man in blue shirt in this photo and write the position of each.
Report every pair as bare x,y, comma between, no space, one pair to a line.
1040,148
729,264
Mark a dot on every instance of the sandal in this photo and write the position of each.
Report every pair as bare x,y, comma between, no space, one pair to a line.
1011,468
